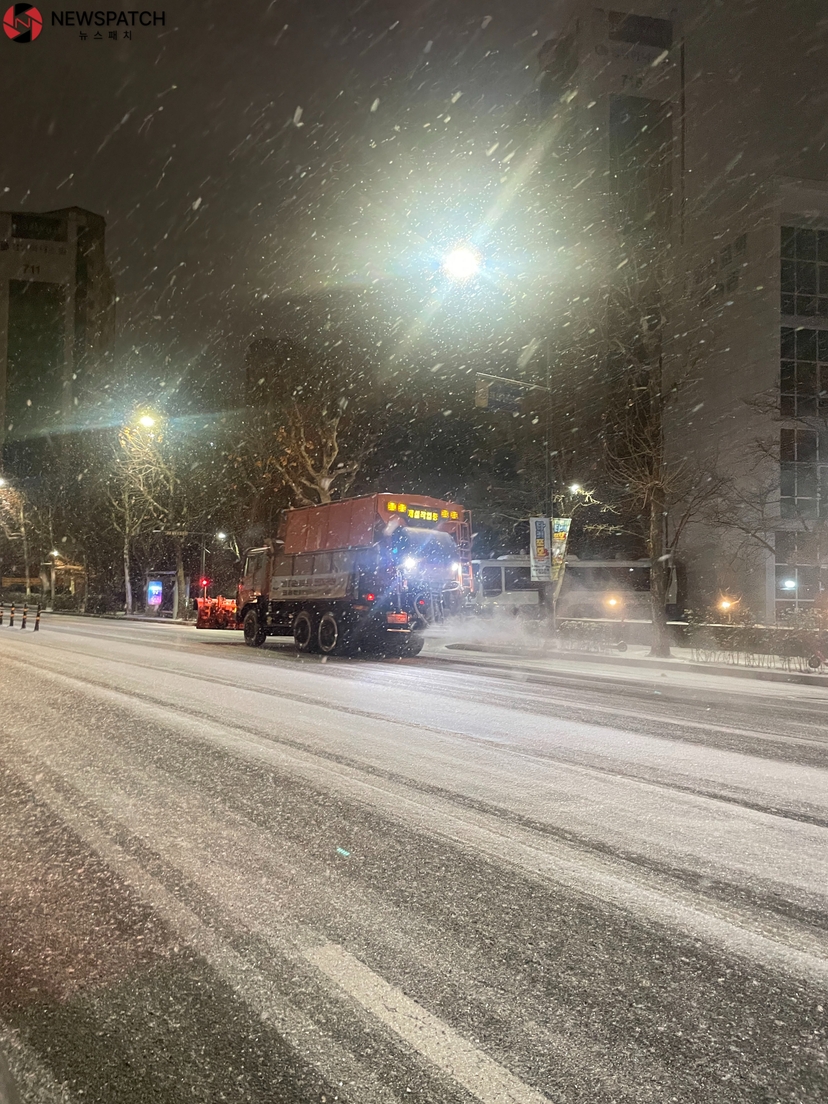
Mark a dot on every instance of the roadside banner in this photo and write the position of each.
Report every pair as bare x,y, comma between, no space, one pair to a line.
560,535
540,549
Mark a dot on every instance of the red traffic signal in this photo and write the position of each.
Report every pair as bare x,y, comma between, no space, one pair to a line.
204,583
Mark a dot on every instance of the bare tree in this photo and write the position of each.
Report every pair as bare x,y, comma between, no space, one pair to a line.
14,525
311,425
161,483
665,493
130,512
750,507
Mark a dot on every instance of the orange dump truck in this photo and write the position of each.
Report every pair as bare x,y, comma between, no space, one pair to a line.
362,574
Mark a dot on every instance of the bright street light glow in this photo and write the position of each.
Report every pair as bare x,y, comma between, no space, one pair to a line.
724,604
409,563
146,421
221,536
789,584
2,482
54,552
461,263
575,488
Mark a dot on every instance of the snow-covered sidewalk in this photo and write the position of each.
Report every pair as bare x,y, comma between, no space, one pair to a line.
538,656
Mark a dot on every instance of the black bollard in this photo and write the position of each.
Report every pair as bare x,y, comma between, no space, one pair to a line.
25,615
37,619
11,616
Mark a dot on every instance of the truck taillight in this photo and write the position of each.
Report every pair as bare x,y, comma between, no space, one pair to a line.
370,597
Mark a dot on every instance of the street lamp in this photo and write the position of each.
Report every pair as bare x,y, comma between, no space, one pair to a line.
461,263
221,536
575,488
147,421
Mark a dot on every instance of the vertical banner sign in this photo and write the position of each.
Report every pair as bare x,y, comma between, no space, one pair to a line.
540,549
560,535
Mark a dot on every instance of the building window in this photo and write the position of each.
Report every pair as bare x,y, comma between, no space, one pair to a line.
799,578
803,481
803,373
640,30
804,272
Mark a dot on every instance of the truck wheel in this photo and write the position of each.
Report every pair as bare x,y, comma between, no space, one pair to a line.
333,635
254,634
304,635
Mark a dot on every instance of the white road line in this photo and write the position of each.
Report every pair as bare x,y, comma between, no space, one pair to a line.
333,1061
737,928
487,1080
484,1078
32,1077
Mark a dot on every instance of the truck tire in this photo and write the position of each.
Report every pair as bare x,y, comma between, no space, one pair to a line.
333,635
304,632
254,634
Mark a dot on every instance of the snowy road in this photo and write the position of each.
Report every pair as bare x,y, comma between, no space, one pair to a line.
236,875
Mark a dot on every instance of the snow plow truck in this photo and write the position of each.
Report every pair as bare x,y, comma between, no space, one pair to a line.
364,574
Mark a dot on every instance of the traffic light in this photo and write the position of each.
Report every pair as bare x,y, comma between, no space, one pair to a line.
204,582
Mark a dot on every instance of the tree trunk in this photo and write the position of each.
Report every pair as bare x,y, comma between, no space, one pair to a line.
180,582
659,575
127,580
659,563
85,595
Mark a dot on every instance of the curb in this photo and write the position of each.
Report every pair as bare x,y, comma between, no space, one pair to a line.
120,617
757,674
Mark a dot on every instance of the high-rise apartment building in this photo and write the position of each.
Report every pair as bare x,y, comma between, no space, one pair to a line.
691,143
56,320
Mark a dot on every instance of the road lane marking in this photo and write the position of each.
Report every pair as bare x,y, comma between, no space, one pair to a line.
432,1038
33,1079
485,1079
705,726
333,1061
746,932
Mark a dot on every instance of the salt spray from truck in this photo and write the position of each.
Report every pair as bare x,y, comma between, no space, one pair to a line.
362,574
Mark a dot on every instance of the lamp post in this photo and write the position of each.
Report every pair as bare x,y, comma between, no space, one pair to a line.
53,555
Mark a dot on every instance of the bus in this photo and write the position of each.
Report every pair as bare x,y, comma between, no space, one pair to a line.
590,589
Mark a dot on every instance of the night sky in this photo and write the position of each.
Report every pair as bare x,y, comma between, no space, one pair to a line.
255,158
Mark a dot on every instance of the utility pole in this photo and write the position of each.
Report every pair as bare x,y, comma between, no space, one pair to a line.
547,594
